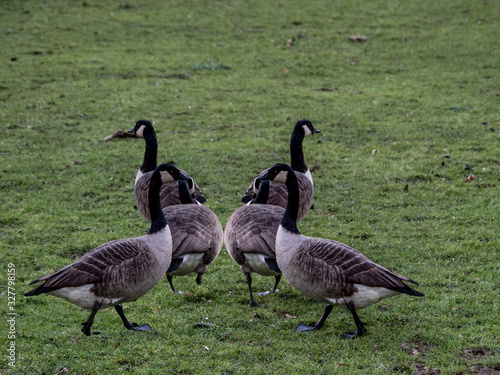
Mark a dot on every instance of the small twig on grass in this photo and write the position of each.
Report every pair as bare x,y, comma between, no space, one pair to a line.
119,134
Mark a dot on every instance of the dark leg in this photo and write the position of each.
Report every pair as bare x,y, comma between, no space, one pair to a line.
127,324
86,325
319,325
278,278
170,278
360,326
253,302
198,278
273,290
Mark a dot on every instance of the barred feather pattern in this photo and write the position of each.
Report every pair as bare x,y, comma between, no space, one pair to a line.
122,269
195,229
169,194
326,270
252,229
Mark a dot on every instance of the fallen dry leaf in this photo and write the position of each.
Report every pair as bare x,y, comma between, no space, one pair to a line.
338,364
286,70
325,89
357,38
470,178
118,134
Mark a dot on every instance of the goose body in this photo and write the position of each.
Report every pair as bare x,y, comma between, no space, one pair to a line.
197,236
118,271
277,192
328,271
250,236
169,192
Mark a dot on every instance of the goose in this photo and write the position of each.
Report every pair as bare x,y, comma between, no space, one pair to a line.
169,192
250,235
118,271
328,271
278,193
197,235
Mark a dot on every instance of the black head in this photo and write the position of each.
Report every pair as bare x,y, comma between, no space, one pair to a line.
140,127
170,173
307,127
184,187
278,172
261,189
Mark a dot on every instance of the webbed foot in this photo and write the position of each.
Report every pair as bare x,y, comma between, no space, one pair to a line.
144,327
305,328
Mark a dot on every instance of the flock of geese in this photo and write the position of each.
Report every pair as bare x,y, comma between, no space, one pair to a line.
261,236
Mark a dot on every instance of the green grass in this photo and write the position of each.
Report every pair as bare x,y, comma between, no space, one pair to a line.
224,91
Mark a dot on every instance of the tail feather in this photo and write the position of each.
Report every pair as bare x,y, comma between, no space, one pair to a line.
407,290
41,289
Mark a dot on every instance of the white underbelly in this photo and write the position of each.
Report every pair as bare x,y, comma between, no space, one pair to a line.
257,263
190,263
367,296
81,296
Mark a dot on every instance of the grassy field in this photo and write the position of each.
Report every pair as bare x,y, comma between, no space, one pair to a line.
406,118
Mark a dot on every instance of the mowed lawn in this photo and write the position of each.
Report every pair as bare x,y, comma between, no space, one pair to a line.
406,170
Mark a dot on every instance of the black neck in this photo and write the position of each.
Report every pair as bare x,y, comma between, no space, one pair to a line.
158,221
297,156
263,192
149,163
289,220
184,193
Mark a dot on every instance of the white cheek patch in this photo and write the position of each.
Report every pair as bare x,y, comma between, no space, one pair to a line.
140,131
191,189
281,177
166,177
307,131
255,189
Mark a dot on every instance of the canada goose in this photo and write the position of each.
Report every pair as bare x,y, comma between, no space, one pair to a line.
278,193
250,236
169,193
329,271
196,235
118,271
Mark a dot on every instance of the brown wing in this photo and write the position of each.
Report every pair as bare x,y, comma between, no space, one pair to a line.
344,265
169,194
194,229
93,266
252,229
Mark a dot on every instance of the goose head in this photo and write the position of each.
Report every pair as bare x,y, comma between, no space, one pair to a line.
261,189
306,127
140,127
277,173
284,174
170,173
186,191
